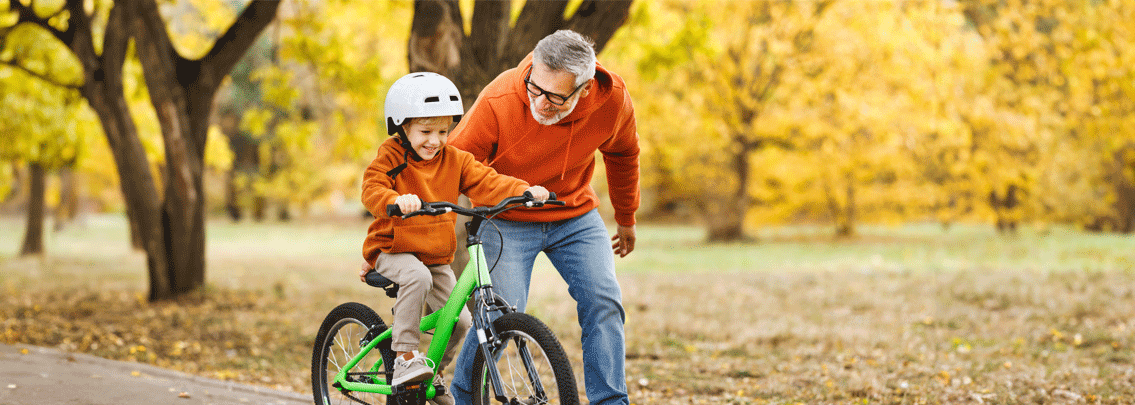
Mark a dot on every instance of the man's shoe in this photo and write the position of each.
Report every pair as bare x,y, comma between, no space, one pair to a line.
412,370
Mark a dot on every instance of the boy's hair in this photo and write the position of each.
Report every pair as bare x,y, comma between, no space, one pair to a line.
567,51
428,120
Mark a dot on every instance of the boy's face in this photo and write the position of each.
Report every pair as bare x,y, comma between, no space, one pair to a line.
428,136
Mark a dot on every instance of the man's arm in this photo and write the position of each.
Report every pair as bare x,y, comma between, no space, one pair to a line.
620,155
477,132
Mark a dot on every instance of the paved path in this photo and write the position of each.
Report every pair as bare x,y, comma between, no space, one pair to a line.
43,376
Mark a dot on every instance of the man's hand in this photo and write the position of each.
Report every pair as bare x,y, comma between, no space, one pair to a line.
624,240
538,193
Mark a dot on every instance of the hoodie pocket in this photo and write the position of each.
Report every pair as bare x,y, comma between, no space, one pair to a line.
432,239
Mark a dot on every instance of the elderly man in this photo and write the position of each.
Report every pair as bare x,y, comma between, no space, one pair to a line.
542,122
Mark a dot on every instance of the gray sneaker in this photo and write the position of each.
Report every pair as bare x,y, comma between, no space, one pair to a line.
444,399
412,370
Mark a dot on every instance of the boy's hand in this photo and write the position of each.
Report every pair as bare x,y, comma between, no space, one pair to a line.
408,203
538,193
363,271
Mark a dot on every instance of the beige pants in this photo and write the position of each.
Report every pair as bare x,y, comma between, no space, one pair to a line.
419,284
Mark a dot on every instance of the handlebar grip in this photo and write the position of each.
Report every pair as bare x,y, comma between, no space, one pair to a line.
552,200
392,210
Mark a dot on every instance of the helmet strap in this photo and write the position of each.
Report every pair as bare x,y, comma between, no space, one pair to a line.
409,150
405,141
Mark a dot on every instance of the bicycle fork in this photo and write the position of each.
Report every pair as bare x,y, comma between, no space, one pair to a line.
489,339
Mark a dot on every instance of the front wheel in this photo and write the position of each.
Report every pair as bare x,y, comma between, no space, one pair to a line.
336,344
531,363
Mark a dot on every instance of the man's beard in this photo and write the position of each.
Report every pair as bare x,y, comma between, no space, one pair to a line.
556,118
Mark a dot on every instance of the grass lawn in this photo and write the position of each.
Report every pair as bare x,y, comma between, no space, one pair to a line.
911,314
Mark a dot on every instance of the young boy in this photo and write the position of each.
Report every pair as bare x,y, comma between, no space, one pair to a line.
412,167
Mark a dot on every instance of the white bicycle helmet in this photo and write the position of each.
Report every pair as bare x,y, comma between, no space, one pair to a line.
422,94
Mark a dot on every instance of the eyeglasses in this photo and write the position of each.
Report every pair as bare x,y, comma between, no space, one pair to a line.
553,98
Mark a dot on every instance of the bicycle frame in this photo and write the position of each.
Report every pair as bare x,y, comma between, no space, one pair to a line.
442,321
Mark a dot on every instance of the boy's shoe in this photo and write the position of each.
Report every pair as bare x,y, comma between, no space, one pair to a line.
444,399
412,370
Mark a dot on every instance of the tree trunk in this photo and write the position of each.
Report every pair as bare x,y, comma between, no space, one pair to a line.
727,224
1005,208
181,91
33,237
68,207
726,228
1122,178
103,89
232,206
846,223
171,231
438,42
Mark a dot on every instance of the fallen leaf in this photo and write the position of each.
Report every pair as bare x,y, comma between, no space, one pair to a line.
183,395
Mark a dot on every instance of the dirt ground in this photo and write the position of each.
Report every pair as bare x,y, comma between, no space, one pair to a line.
734,338
926,317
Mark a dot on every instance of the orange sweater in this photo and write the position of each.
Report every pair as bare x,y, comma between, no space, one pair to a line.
499,130
443,178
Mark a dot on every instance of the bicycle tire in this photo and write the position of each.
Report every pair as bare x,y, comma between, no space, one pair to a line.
336,343
522,332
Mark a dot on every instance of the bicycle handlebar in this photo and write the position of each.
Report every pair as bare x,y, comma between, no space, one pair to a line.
443,207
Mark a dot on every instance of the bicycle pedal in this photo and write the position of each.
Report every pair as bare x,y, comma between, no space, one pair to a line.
411,393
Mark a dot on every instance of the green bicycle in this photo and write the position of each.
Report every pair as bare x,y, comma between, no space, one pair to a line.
518,361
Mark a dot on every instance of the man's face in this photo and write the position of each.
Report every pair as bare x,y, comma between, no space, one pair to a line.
427,137
548,88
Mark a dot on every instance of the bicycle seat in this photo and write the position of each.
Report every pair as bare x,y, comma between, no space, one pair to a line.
378,280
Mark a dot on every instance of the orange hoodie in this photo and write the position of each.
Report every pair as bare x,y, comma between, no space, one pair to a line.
499,130
451,172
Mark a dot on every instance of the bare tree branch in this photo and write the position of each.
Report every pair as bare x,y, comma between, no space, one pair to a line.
15,63
231,46
537,20
594,19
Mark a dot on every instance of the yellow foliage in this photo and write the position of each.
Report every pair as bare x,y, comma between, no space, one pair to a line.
218,156
882,111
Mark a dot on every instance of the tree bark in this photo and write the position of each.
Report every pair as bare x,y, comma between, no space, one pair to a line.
170,230
727,224
846,223
1122,177
33,236
68,207
181,91
438,42
103,89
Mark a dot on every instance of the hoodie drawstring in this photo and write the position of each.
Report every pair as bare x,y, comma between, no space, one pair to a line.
567,153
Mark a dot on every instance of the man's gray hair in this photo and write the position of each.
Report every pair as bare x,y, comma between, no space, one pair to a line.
567,51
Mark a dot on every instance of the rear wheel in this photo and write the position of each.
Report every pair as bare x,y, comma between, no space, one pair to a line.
531,363
336,344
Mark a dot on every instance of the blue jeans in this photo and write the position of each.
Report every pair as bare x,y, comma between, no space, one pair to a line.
580,249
